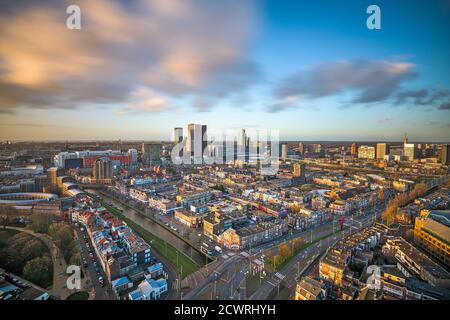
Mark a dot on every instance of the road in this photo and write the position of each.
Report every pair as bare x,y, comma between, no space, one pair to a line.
213,286
101,293
291,272
226,282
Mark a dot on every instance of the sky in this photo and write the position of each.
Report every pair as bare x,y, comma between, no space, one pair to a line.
139,68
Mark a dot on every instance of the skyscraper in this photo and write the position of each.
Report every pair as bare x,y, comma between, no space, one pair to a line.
196,139
102,170
382,150
299,172
445,154
410,151
177,135
354,150
133,156
151,153
52,177
301,149
284,150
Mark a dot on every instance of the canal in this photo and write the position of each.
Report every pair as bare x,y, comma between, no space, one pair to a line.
155,229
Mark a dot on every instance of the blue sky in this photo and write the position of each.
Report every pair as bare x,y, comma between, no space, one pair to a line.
310,69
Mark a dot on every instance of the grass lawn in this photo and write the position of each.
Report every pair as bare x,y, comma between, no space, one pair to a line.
182,263
81,295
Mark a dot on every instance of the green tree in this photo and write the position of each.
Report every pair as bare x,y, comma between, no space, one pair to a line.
62,235
32,249
39,271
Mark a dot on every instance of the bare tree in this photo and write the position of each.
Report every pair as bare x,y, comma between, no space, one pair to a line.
5,213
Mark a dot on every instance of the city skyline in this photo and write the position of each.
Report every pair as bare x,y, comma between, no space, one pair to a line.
313,71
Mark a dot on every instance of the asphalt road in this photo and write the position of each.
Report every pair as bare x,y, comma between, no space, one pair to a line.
101,293
299,264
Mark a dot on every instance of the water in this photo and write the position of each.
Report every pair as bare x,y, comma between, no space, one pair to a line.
156,229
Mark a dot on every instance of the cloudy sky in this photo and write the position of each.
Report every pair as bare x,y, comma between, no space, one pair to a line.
311,69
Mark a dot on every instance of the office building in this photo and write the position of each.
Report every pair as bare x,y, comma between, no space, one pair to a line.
410,151
196,139
299,172
177,135
242,145
151,153
301,149
445,154
284,150
133,154
432,234
382,150
52,176
354,150
366,152
102,170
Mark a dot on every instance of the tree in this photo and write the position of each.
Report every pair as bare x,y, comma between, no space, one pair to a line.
76,259
371,199
381,195
39,270
40,222
62,235
390,212
284,250
5,213
32,249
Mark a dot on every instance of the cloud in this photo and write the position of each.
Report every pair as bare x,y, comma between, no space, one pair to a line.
284,104
171,47
431,123
144,100
370,81
27,124
416,95
445,106
439,98
385,120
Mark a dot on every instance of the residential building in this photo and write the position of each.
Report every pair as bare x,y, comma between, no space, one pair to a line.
417,263
310,289
188,218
